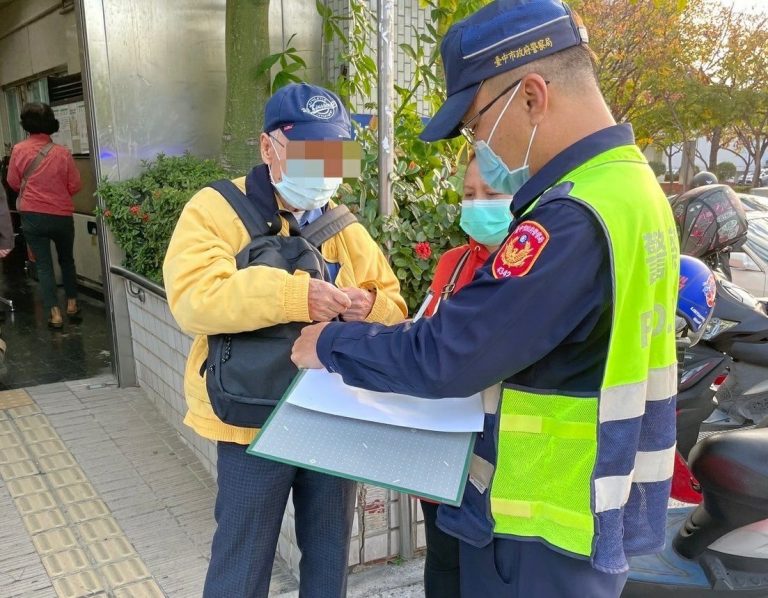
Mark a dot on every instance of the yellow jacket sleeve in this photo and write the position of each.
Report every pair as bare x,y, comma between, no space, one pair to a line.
206,292
367,268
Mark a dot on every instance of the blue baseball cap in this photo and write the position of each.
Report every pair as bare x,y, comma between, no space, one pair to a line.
499,37
308,113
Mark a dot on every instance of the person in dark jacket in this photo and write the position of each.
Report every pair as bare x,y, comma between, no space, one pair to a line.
565,327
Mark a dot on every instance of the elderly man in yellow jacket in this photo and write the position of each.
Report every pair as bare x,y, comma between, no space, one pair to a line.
209,295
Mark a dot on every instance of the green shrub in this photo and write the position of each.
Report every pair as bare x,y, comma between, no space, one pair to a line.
142,212
658,167
725,171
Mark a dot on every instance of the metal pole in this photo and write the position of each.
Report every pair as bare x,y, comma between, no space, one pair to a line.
386,92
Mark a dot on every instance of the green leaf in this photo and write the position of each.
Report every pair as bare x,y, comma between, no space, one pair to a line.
266,64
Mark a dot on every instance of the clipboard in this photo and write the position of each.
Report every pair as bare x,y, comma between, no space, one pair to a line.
421,462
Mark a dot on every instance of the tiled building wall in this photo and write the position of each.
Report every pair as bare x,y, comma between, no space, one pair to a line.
160,350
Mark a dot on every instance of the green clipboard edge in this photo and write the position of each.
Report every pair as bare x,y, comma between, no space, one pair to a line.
252,451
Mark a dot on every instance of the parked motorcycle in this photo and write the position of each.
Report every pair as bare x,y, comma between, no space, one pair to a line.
718,547
740,328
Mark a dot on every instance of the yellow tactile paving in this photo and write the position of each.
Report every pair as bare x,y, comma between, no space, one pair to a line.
82,583
43,521
18,470
75,493
66,477
14,398
99,529
28,485
54,540
124,572
32,503
23,411
80,544
12,454
9,440
145,589
51,463
88,509
65,561
31,422
46,448
45,432
112,549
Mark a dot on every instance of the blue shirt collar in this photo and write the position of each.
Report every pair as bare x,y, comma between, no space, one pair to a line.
571,157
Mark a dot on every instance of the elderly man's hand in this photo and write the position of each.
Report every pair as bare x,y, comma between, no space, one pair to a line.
326,301
362,304
304,353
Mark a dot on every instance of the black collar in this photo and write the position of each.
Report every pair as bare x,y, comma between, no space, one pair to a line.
258,188
571,157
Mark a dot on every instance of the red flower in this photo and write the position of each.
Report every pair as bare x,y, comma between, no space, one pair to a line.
136,210
422,250
145,217
107,213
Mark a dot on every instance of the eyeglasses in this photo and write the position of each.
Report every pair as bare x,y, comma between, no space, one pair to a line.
466,129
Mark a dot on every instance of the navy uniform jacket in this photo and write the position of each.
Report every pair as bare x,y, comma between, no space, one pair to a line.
548,329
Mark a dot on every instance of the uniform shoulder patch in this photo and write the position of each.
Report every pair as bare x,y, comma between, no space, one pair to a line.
520,251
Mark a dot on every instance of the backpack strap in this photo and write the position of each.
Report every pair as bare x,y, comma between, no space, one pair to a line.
251,218
29,170
331,223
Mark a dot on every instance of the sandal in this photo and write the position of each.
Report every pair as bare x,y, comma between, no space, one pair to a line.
72,307
55,321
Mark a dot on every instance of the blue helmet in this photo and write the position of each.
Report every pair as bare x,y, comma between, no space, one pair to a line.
696,296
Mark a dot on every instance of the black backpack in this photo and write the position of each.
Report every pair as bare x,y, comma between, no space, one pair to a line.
247,373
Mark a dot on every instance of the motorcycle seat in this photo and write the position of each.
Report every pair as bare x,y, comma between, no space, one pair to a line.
734,465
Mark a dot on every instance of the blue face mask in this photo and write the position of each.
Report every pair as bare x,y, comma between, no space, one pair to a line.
493,169
305,193
486,220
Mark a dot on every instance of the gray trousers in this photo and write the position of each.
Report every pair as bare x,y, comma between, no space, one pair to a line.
252,496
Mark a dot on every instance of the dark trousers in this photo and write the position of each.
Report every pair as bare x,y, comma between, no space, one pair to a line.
441,565
514,569
39,231
249,510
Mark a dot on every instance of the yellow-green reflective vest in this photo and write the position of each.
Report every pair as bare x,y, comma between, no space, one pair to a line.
567,465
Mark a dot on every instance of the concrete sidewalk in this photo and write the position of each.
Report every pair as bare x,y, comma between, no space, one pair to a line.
100,497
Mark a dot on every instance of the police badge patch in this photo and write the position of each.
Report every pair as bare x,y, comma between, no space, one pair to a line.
520,251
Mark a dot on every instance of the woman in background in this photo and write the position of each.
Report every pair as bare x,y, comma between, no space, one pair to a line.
485,217
46,178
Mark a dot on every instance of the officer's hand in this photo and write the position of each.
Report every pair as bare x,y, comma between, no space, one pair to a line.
4,252
326,301
362,303
304,353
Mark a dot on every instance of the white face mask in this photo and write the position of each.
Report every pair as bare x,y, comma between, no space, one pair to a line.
305,193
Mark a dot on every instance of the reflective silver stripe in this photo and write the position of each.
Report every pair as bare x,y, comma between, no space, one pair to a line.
662,383
511,37
654,466
628,401
612,492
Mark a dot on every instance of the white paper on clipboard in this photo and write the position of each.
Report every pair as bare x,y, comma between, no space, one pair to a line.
320,390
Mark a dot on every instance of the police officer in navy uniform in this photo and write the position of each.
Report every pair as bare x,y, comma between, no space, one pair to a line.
573,315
